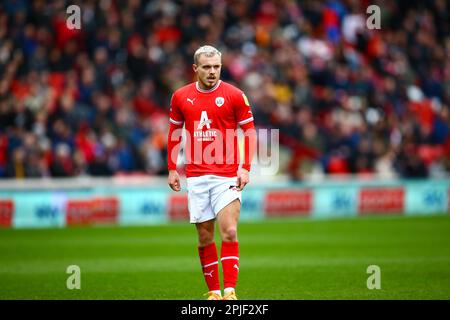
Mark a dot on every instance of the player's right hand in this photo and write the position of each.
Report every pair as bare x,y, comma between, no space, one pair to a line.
174,180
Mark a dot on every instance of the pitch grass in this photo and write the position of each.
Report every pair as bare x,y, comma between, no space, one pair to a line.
280,259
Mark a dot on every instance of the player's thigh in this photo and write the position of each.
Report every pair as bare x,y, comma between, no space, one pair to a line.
228,216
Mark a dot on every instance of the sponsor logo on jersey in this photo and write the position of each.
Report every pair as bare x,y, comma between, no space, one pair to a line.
208,135
204,121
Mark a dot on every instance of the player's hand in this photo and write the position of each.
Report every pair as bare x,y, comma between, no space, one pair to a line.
242,179
174,180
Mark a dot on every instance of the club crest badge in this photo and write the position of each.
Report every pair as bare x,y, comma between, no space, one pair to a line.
220,101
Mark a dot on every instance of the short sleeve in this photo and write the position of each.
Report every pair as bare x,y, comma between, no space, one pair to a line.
242,109
175,114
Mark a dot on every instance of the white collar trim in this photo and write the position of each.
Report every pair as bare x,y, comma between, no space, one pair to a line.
210,90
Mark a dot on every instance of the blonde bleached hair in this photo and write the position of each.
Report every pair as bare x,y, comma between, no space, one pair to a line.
208,51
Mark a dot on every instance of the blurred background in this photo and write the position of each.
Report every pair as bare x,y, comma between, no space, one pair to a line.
346,99
84,112
364,147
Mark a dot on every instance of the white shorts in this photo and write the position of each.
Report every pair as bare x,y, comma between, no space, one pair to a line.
209,194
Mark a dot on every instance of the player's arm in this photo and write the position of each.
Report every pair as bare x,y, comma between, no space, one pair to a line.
244,116
249,151
174,143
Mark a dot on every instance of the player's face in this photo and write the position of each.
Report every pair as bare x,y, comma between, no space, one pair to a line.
208,70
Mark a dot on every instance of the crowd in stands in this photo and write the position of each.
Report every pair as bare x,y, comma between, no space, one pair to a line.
346,98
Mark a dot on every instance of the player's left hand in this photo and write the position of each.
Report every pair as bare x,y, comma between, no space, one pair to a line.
242,179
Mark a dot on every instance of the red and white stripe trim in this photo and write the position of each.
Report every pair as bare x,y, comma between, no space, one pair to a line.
175,122
229,258
210,264
210,90
245,121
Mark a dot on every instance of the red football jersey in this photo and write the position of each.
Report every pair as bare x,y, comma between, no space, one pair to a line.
210,119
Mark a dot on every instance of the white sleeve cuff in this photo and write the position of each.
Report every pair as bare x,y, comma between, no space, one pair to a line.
245,121
175,122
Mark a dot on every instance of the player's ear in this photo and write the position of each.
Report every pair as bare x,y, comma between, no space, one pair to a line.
194,67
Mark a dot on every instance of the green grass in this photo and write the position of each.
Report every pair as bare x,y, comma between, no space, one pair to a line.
280,259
